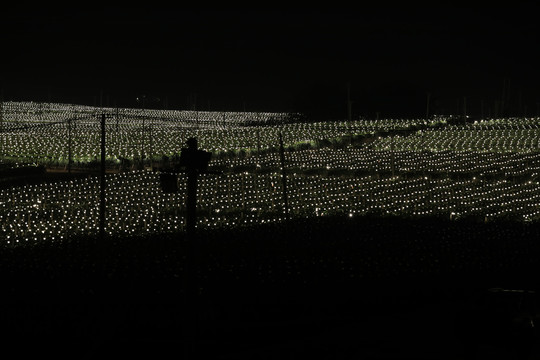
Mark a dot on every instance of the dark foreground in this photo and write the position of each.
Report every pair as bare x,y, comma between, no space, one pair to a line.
335,288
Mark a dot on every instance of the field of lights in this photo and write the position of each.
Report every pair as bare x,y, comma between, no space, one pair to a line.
486,170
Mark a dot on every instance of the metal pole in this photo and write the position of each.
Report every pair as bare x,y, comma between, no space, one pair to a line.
393,155
283,176
243,194
1,123
258,143
69,146
151,144
142,140
103,183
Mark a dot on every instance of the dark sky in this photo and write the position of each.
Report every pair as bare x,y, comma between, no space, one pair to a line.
275,60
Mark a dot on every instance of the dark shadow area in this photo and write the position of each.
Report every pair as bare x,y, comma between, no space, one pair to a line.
368,288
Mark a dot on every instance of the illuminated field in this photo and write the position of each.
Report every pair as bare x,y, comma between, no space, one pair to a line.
485,171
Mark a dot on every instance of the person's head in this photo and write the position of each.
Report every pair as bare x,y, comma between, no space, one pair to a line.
192,143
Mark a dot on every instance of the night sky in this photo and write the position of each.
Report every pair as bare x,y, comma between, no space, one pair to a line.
276,60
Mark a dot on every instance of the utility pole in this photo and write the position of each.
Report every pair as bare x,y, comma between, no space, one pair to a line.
520,104
482,109
349,102
427,105
505,98
193,100
283,176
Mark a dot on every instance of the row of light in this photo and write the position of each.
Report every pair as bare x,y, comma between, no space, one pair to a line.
510,135
160,132
135,202
404,161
